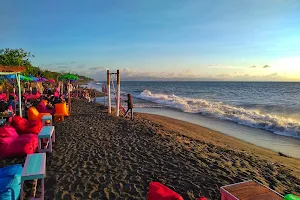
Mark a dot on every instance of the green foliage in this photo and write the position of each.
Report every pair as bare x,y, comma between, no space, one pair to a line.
14,57
18,57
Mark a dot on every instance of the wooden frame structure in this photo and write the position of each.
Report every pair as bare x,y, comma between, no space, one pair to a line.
118,92
16,70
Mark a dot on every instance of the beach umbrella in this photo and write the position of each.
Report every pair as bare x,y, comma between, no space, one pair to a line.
68,77
25,78
34,79
41,79
51,81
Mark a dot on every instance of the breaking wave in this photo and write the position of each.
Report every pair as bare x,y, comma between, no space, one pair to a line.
247,117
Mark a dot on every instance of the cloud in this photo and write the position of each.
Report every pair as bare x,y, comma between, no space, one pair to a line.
266,66
253,66
96,68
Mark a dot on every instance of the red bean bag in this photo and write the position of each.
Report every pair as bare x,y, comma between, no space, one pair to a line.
158,191
34,126
24,126
24,144
19,124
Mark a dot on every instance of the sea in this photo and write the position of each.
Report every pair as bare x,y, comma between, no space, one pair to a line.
251,111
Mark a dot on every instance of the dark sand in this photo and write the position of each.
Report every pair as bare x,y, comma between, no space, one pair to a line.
97,156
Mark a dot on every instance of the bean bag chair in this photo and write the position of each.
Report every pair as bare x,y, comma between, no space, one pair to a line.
32,96
7,135
24,126
19,124
158,191
3,97
61,108
56,94
41,107
13,145
10,182
44,101
23,145
34,114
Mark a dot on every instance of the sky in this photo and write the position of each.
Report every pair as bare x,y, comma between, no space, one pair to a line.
232,40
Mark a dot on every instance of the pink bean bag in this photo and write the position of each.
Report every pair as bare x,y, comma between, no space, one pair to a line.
158,191
3,96
43,109
24,126
7,135
13,145
32,96
56,94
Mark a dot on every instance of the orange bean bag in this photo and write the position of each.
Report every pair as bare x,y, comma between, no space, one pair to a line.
61,108
33,114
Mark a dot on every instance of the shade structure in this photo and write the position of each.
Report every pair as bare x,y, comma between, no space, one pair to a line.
68,77
41,79
33,79
15,71
14,76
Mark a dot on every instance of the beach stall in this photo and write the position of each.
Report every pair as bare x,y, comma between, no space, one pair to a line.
16,71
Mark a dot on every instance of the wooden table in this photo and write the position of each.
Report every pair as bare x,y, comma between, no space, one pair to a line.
47,118
48,133
248,190
34,169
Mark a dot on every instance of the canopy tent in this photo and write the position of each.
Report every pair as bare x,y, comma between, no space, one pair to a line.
8,70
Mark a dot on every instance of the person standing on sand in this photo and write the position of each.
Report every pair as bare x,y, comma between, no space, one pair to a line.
129,106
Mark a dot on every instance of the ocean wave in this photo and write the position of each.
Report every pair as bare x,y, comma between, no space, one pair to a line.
247,117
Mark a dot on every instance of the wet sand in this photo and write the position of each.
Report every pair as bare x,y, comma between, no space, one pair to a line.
97,156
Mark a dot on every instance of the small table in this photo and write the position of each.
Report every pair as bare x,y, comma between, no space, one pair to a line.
2,121
34,169
58,117
48,133
46,118
248,190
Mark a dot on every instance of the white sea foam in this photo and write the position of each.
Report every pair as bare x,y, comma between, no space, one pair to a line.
248,117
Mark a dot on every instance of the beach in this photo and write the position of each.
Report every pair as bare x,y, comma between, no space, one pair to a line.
97,156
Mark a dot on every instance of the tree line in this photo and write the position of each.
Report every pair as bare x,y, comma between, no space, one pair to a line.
19,57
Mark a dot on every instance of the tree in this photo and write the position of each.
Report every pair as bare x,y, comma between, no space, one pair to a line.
15,57
19,57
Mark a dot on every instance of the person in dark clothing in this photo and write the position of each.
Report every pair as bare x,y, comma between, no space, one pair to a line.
3,106
129,106
57,100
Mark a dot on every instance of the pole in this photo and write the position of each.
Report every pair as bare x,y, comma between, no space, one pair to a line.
118,94
62,87
19,91
69,97
15,103
108,92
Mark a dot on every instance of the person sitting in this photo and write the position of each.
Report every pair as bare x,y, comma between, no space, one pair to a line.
57,100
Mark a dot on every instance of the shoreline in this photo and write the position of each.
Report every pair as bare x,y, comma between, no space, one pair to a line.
100,156
202,134
258,137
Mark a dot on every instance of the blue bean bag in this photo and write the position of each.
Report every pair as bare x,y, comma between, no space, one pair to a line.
10,182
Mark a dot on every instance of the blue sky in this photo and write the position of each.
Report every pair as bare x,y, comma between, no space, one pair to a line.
169,39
